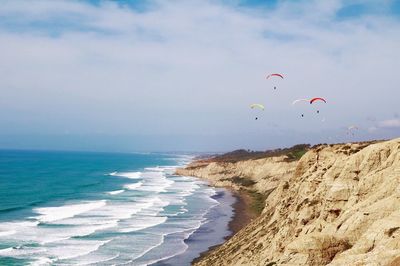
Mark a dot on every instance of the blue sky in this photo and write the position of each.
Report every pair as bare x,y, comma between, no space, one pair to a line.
180,75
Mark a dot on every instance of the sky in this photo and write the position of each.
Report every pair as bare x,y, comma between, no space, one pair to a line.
180,75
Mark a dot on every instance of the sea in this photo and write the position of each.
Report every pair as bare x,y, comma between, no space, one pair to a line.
92,208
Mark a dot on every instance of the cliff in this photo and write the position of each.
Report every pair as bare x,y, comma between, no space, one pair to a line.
261,174
342,209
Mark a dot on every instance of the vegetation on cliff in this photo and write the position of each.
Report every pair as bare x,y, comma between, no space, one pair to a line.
292,153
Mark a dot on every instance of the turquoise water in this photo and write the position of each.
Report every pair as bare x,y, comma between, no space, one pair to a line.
77,208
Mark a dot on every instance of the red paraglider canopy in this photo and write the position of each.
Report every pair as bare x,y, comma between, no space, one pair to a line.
276,75
317,99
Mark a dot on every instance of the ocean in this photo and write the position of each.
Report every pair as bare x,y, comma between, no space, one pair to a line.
83,208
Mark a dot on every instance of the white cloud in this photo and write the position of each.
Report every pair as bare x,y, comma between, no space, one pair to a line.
390,123
190,67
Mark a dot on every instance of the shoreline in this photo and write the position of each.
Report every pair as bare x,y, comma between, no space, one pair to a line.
242,216
243,212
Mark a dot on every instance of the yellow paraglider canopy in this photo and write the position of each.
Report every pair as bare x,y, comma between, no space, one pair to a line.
257,105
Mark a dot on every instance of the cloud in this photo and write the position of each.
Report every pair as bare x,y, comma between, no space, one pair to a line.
192,67
390,123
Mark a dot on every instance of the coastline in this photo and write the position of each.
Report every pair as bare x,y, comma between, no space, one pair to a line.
242,216
212,233
238,207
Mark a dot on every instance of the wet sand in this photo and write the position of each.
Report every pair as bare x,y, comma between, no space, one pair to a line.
243,215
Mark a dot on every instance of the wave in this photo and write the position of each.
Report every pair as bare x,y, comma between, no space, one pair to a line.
133,186
17,208
8,229
132,260
98,259
7,233
12,209
154,169
61,237
143,222
73,248
51,214
76,248
69,249
130,175
161,253
115,192
168,169
156,182
42,261
21,252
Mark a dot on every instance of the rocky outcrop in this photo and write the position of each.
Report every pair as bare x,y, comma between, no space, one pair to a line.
338,205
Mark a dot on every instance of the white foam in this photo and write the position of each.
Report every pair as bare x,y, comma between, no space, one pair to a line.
7,233
44,261
94,259
154,169
153,175
21,252
159,243
142,222
133,186
51,214
130,175
156,182
9,229
96,219
5,251
67,249
162,254
115,192
74,248
51,235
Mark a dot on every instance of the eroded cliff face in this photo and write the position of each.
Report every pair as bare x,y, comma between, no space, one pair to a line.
343,209
261,175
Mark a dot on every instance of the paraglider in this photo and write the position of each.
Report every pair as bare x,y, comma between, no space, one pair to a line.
317,99
275,75
257,105
299,100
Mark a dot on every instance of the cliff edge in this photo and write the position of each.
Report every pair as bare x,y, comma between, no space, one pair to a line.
338,205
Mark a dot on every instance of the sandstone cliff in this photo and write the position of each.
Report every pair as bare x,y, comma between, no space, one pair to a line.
343,209
261,175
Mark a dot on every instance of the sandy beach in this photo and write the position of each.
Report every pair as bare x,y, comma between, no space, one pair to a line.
243,215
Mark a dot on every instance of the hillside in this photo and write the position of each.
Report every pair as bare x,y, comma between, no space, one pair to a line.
343,209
